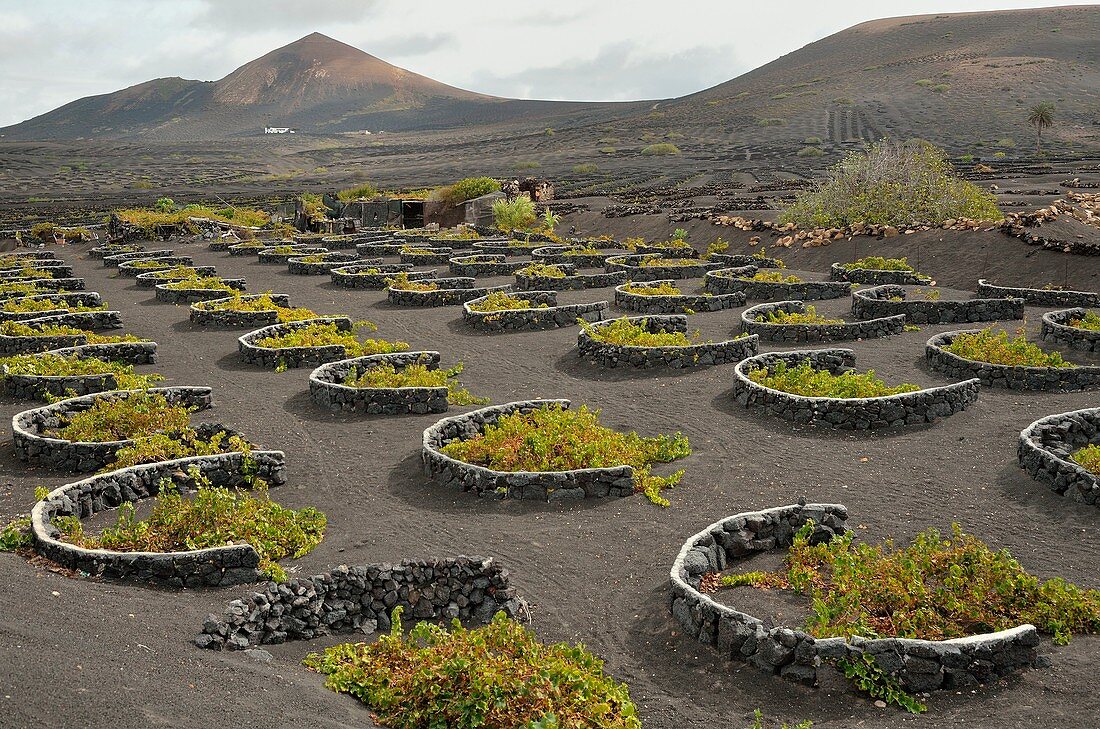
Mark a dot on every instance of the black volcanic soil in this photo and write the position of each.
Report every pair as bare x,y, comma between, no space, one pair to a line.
83,652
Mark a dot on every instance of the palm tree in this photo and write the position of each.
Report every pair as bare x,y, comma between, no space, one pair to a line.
1041,116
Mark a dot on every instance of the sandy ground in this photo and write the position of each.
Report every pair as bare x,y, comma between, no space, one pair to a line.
82,652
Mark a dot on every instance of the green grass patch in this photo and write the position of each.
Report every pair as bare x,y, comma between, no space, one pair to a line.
660,149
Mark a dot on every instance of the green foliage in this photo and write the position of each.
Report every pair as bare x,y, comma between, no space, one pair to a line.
313,206
416,375
495,676
148,220
175,272
502,301
1088,458
402,282
771,122
261,302
541,270
465,189
325,334
515,214
211,517
878,263
47,232
550,221
48,364
811,382
363,191
205,283
863,670
812,140
808,315
892,184
19,329
718,245
556,439
1090,321
772,276
996,347
28,305
16,535
646,289
758,722
137,415
585,169
660,149
180,444
657,262
165,205
934,589
811,152
630,334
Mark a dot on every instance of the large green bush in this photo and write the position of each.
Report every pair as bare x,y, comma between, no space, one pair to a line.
465,189
515,214
498,676
892,184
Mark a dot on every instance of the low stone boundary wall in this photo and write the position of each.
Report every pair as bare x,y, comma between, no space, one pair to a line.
299,267
327,389
667,251
373,249
706,354
56,269
220,245
739,260
865,413
461,290
350,240
270,256
1045,448
671,304
573,282
190,296
875,303
482,264
45,285
1055,379
636,272
358,276
35,447
228,318
118,258
920,665
1038,297
133,353
729,280
111,250
247,248
94,321
1056,328
433,256
127,269
212,567
557,255
360,599
291,357
503,248
551,316
150,279
30,345
28,254
876,277
457,475
769,332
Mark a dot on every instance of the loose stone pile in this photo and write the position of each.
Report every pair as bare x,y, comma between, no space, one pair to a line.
360,599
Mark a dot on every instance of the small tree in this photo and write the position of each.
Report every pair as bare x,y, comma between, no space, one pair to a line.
1041,116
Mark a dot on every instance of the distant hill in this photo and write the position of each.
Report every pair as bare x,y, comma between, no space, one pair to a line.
962,80
958,79
315,84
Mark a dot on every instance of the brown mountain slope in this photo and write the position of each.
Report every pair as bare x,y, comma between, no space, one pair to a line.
316,84
962,80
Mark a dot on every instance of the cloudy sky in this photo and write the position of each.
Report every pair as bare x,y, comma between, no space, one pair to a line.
54,51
